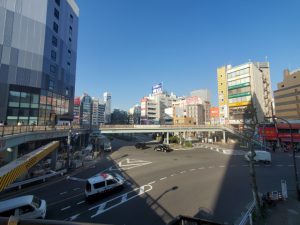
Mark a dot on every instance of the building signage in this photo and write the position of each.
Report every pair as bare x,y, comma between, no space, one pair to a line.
193,100
158,88
214,112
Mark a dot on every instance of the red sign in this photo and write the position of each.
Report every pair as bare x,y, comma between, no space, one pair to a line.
77,101
214,112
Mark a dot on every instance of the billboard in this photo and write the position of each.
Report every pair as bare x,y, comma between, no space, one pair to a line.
77,101
193,100
214,112
158,88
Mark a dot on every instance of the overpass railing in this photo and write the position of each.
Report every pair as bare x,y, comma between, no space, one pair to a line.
20,129
157,126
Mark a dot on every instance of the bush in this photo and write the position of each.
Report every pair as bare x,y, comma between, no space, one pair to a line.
174,139
188,144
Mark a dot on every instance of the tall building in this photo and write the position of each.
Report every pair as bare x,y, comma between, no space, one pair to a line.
86,110
76,111
38,51
98,110
134,115
241,87
287,96
107,102
204,94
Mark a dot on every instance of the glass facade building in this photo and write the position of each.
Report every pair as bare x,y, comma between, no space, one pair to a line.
38,52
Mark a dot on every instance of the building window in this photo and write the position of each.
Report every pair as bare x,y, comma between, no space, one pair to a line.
55,27
70,39
56,13
70,30
69,66
52,69
51,84
57,2
54,41
67,91
53,55
69,53
71,18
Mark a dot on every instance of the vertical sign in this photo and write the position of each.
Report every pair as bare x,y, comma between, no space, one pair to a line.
284,189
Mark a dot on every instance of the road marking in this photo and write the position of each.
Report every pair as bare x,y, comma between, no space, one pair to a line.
211,167
75,189
222,166
163,178
183,171
62,193
201,168
124,198
76,179
73,217
63,209
192,169
152,182
128,164
172,175
78,203
101,208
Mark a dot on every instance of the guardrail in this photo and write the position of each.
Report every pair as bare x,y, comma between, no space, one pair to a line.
247,217
35,179
12,130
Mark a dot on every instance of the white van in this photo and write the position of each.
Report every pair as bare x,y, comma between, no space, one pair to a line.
25,207
261,156
103,183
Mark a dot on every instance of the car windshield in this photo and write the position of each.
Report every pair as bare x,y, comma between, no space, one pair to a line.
36,202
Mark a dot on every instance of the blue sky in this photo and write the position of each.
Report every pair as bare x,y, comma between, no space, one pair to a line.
126,46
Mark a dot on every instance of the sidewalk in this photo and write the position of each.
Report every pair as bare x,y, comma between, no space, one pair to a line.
284,213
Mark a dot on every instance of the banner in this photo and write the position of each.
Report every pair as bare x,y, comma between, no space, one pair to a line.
158,88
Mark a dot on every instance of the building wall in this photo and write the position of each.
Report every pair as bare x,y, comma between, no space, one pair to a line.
287,97
33,64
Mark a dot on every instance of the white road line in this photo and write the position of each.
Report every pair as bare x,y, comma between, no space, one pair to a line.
211,167
183,171
73,217
152,182
172,175
65,208
62,193
78,203
124,198
100,209
222,166
192,169
163,178
201,168
75,189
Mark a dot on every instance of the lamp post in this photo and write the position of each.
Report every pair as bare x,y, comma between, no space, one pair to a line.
294,153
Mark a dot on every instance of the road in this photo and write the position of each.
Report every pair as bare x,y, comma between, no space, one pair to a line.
160,186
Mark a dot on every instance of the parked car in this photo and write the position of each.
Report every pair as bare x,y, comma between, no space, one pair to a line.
102,184
140,145
162,148
24,207
107,147
261,156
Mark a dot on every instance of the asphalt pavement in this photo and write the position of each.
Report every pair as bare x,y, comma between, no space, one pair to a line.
160,186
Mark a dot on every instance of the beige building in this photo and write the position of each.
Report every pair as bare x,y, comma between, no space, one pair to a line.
241,87
287,97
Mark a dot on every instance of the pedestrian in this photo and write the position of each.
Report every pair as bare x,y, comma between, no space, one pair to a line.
274,147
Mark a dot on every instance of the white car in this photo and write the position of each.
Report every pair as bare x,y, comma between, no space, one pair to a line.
261,156
104,183
24,207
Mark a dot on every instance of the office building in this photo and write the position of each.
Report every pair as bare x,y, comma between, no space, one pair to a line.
98,111
76,111
204,94
287,96
86,105
134,115
38,51
240,88
107,102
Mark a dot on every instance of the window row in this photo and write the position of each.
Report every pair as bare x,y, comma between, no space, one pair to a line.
23,99
240,99
239,90
238,73
240,81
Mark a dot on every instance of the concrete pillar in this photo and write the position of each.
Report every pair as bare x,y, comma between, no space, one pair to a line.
54,159
224,136
14,153
168,138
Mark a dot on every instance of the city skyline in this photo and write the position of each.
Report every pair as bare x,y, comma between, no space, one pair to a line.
131,46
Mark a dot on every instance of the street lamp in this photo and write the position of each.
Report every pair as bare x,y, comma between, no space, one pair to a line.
294,153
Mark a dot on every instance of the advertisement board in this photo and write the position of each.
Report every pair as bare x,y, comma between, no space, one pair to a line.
77,101
193,100
158,88
214,112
